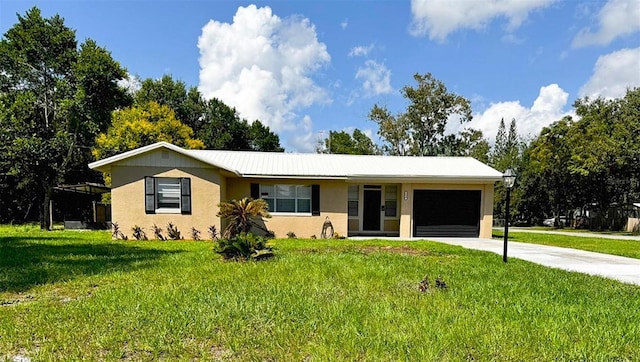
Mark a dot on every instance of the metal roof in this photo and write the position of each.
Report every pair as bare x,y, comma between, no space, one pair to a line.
311,165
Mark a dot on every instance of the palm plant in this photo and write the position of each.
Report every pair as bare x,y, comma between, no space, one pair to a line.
241,215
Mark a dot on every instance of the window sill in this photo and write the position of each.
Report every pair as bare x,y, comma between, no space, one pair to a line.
290,213
168,211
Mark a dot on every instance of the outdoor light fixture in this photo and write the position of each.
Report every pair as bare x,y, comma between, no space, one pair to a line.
509,179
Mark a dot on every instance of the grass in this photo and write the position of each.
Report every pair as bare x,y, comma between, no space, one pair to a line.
71,296
572,230
628,248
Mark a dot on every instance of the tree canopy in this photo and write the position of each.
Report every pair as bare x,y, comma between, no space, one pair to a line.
139,126
55,98
420,130
342,142
212,121
592,158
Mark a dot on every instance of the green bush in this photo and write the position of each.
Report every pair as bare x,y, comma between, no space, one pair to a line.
244,246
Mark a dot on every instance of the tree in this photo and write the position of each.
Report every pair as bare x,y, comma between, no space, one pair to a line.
394,130
57,97
473,144
420,130
605,147
262,139
223,129
216,124
187,104
345,143
508,147
549,178
139,126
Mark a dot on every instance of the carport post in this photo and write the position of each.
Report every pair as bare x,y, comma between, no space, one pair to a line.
509,179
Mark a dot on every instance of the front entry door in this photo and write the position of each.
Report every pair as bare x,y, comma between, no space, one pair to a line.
371,210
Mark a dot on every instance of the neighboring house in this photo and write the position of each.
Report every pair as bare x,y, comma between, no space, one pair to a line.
360,195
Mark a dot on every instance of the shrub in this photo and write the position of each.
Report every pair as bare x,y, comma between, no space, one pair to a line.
244,246
213,232
117,234
291,235
138,233
172,232
195,234
157,232
241,215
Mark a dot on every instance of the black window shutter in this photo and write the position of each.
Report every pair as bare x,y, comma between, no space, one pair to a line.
149,195
255,191
185,195
315,200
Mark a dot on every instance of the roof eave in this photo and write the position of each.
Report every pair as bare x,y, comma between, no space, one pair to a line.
423,178
296,177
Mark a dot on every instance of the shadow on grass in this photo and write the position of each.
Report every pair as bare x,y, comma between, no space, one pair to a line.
28,261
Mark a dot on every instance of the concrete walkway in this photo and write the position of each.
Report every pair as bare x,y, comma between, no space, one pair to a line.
609,266
572,233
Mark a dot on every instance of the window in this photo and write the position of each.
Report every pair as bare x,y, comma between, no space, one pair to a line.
354,196
167,195
391,201
287,198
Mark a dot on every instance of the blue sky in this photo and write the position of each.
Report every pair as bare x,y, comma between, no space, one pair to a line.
307,66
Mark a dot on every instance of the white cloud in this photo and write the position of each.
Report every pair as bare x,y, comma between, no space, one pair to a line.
305,139
375,78
616,18
344,24
546,109
613,74
439,18
131,83
262,65
361,50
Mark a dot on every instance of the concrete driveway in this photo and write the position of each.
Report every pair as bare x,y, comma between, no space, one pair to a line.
610,266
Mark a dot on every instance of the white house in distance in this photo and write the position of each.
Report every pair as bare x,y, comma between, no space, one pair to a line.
360,195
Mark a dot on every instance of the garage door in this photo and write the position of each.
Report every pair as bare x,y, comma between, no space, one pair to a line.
446,213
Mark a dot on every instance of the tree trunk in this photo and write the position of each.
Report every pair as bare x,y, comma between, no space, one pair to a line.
45,220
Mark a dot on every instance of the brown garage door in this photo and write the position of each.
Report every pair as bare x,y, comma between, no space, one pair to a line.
446,213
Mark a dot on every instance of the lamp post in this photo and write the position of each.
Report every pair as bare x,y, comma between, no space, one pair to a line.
509,179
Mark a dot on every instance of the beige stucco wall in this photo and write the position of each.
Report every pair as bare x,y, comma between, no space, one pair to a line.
333,203
210,186
127,198
486,204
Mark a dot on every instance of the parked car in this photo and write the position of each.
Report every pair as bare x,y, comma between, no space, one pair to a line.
562,221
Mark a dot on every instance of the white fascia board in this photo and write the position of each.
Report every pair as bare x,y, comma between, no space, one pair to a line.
418,178
297,177
105,164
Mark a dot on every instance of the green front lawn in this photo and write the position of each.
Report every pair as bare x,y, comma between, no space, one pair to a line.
79,295
628,248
